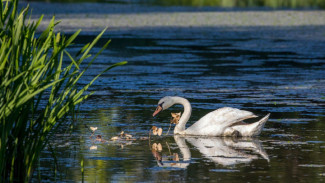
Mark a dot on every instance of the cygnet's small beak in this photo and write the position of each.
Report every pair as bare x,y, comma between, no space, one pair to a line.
157,111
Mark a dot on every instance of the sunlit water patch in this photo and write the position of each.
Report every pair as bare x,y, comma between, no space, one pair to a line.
262,75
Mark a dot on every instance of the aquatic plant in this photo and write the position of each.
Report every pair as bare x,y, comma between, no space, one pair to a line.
38,87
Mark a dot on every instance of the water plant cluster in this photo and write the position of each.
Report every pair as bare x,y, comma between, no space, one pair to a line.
38,87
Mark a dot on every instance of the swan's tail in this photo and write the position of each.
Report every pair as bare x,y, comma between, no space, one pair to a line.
253,129
258,126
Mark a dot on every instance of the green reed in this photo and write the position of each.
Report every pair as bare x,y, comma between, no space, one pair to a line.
37,91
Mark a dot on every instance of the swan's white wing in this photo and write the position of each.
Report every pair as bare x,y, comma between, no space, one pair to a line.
215,122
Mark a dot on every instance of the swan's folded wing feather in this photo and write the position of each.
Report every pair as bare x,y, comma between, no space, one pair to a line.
227,115
220,119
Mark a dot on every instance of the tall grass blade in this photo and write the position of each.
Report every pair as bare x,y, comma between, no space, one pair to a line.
38,87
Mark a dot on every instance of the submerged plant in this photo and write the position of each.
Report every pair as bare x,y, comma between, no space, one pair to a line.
174,120
37,90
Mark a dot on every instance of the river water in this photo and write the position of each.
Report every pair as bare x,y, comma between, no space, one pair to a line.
277,70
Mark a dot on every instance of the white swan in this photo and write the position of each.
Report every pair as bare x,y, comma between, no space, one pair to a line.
225,121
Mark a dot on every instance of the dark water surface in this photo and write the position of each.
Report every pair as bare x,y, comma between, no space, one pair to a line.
263,70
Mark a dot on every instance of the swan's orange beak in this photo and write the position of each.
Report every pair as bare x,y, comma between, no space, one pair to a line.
157,111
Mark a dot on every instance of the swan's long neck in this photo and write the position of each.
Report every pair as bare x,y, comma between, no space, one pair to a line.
180,127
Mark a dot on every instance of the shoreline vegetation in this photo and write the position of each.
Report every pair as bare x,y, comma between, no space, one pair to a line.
126,18
37,90
218,3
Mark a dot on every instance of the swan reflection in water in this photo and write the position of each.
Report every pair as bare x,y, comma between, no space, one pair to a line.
223,151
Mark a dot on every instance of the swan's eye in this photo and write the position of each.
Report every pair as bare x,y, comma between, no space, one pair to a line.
161,105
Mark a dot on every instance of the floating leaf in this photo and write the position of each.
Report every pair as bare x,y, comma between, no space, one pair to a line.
93,148
159,131
156,155
123,136
115,138
93,129
98,138
176,115
154,146
154,130
175,118
144,138
175,157
128,135
157,147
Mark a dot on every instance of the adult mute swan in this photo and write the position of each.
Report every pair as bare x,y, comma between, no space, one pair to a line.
225,121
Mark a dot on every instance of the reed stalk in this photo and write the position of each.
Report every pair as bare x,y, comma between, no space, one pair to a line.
37,90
